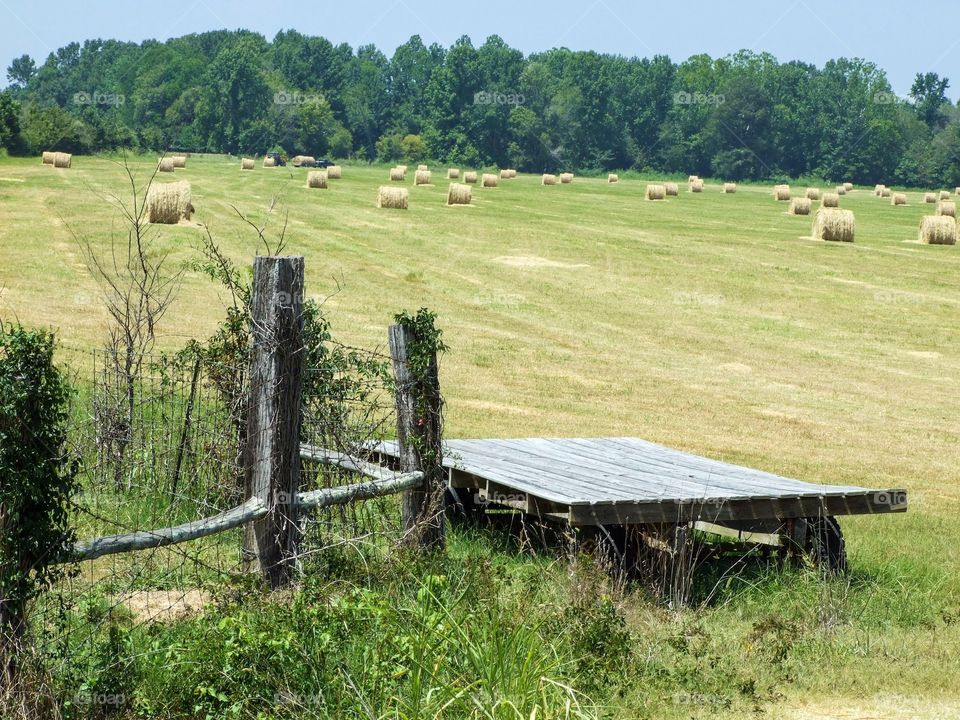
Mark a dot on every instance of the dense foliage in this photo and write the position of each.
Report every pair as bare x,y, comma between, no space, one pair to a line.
742,116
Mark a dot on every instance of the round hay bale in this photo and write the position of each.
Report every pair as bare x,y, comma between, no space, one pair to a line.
947,208
453,174
179,161
840,190
504,174
46,158
548,179
938,230
830,200
944,195
781,193
470,177
459,194
696,186
395,198
403,167
247,164
62,160
848,186
611,178
885,192
812,194
296,160
422,168
957,192
800,206
566,178
169,203
334,172
398,174
929,197
488,180
898,199
834,224
268,161
878,189
729,188
673,189
165,165
308,160
317,179
656,192
422,177
693,178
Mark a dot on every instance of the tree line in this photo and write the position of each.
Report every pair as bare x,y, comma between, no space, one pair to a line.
744,116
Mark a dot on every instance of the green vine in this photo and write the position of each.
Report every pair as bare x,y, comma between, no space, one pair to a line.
423,351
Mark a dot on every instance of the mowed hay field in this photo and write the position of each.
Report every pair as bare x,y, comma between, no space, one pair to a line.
709,322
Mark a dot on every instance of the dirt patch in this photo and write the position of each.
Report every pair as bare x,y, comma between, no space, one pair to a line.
880,708
164,605
534,261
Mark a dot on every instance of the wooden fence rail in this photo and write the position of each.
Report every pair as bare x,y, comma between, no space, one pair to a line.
384,483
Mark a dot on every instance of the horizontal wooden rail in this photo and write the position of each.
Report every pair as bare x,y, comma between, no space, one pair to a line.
384,482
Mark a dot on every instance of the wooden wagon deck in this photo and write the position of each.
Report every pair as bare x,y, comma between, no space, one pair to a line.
627,481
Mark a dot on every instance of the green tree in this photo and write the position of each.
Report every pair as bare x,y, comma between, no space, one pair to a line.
929,95
21,71
9,120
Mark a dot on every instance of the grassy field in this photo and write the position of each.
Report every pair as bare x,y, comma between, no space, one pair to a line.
708,322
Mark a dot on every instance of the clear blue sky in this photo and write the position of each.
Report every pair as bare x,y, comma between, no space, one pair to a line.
901,38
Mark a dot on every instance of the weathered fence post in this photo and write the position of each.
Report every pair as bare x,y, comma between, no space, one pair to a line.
419,434
272,455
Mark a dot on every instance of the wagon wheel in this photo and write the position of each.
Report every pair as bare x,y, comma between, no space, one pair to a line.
825,545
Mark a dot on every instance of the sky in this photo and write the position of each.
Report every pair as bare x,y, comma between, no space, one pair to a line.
896,37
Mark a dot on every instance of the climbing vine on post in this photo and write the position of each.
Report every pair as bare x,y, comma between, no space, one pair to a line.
415,344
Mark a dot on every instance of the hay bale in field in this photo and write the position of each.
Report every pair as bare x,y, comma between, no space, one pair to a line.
566,178
830,200
812,194
398,174
470,177
898,199
947,208
403,167
656,192
395,198
179,161
459,194
696,186
268,161
929,197
334,172
840,190
422,177
781,193
422,168
308,160
938,230
729,188
944,195
165,165
834,224
247,164
62,160
848,186
548,179
612,178
46,158
673,189
885,192
877,188
317,179
505,174
488,180
169,203
693,178
800,206
453,174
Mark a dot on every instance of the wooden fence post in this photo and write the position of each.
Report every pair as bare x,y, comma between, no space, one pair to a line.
419,434
272,459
